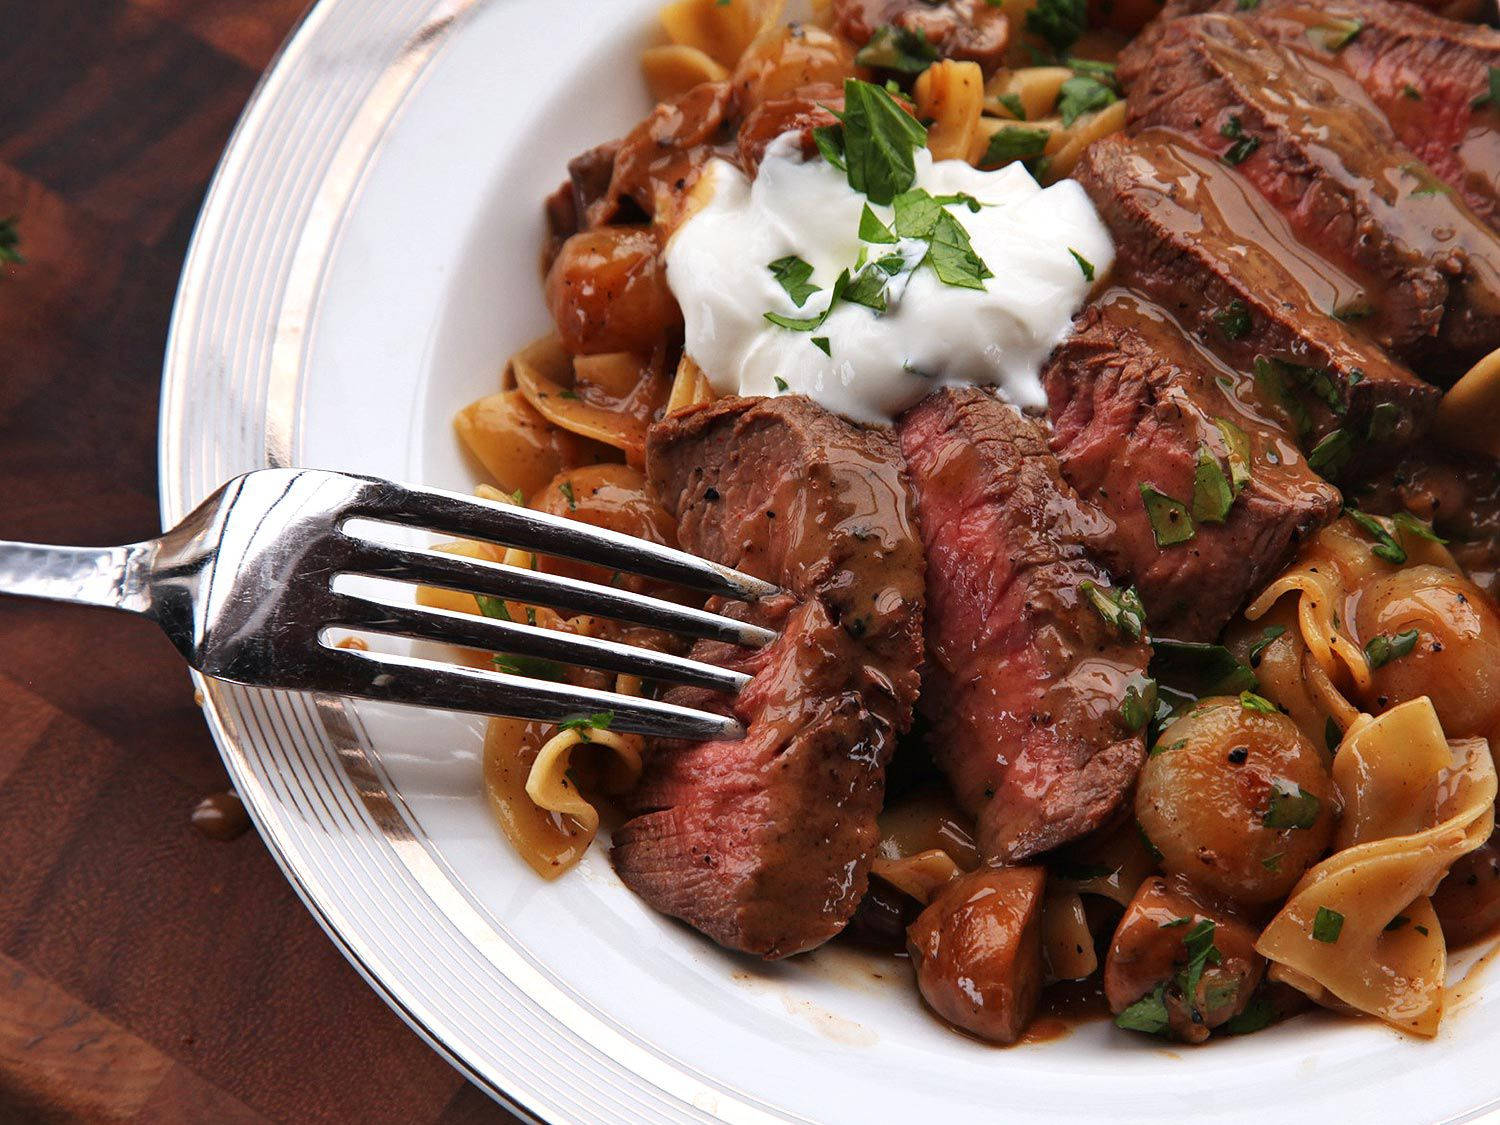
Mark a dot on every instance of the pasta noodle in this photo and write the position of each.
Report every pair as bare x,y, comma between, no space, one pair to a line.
1067,942
951,95
689,387
721,31
1036,87
1465,416
676,68
539,370
1367,960
921,876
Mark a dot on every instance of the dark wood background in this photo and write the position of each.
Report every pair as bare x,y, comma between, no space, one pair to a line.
147,973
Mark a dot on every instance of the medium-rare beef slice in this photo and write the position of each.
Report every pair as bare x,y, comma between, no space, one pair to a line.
764,843
1198,239
1455,491
1145,426
1427,74
1025,677
1309,139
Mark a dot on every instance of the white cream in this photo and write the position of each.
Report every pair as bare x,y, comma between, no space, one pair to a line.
931,335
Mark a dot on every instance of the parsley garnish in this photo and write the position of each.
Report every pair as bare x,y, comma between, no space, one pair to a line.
10,241
1246,5
1013,105
1386,546
871,229
1385,422
1014,143
1083,264
1272,862
1327,925
781,383
599,720
1170,522
1139,705
1411,93
1270,378
1269,634
1491,96
896,48
1238,444
1336,34
1409,523
1082,94
1397,922
1252,702
1059,22
1291,806
1234,320
793,275
951,255
534,666
1421,930
1259,1013
1201,951
823,345
1199,668
1148,1014
1331,454
1244,144
879,138
1120,607
1383,649
566,488
1212,497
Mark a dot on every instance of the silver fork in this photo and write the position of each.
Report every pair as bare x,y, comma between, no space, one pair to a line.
244,587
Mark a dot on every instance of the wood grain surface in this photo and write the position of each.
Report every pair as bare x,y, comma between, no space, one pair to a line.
147,973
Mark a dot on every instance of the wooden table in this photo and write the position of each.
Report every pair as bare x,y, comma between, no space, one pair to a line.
147,973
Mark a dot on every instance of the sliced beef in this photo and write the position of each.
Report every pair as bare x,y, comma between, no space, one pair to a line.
1197,238
1458,493
967,30
1136,406
1309,139
763,844
1424,72
1025,676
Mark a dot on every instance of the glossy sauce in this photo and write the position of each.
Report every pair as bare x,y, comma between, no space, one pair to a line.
1064,1007
221,816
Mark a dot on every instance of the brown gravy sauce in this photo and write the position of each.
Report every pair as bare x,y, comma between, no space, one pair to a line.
221,816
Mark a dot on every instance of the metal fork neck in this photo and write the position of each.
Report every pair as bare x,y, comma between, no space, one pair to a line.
113,577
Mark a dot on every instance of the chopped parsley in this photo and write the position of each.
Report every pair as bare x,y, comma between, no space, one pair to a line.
823,344
1013,105
1201,951
1385,422
1170,521
1122,608
1332,454
1244,145
1259,1012
951,255
566,488
871,229
781,383
10,242
1421,930
1258,703
1411,525
1237,442
1273,862
1014,143
1199,668
1383,649
879,140
1386,546
1336,34
1139,705
1083,94
1291,806
1083,264
794,275
1246,5
1059,23
1327,925
1234,320
1271,380
599,720
898,49
1491,95
1148,1014
1262,642
1397,922
536,667
1212,496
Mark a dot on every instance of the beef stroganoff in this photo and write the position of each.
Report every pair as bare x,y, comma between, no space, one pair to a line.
1110,391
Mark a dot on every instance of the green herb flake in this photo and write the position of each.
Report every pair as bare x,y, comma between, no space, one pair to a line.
1013,105
1259,703
1331,455
871,229
10,242
1273,862
824,345
493,607
1386,546
1212,496
599,720
1175,922
1059,23
1139,705
1201,951
1327,925
1083,264
1234,320
519,497
830,142
1409,524
1121,608
1246,5
1272,382
1263,642
1336,34
1382,649
781,384
1244,145
897,49
1171,523
1199,668
880,138
1259,1013
1014,143
1421,930
952,256
1083,94
1491,95
867,288
793,275
566,488
1291,806
1385,422
1237,442
1396,923
1411,93
1333,734
1148,1014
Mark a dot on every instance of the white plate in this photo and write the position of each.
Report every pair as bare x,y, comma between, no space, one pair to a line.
365,261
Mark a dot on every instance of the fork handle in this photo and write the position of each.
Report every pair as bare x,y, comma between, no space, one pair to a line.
114,577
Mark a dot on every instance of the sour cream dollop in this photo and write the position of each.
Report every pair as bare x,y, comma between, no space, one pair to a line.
931,335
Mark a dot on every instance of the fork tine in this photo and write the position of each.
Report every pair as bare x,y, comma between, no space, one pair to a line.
389,678
449,627
514,526
435,568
